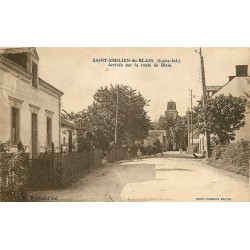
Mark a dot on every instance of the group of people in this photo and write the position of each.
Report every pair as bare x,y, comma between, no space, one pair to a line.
148,151
129,155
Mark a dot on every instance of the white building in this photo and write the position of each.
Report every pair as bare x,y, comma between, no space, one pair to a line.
238,86
68,136
30,108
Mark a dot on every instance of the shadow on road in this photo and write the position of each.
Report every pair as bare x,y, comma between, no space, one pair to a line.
174,169
126,173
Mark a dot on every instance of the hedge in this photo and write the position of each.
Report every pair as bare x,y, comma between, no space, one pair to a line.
235,156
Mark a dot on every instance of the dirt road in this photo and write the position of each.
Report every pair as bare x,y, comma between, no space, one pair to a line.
155,179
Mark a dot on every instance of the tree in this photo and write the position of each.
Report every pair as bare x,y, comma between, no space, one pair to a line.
166,123
14,178
68,116
181,131
176,128
98,121
221,117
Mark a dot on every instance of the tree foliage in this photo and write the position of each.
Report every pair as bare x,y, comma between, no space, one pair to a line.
221,117
5,146
174,127
97,123
14,178
68,116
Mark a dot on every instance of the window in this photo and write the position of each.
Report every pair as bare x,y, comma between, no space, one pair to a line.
49,131
14,125
34,75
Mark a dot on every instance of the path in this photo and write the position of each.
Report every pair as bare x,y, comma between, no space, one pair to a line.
156,179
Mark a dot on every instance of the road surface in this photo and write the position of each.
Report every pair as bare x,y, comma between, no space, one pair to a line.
156,179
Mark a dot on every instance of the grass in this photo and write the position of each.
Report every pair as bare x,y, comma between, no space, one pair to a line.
222,164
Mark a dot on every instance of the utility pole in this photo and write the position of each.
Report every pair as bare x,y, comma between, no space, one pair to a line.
116,117
192,132
188,128
204,101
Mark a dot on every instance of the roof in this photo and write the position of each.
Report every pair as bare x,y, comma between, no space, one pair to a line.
15,66
239,87
157,131
19,50
34,52
49,86
213,88
67,123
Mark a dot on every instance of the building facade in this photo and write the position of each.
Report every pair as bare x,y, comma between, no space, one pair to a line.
68,136
238,86
30,108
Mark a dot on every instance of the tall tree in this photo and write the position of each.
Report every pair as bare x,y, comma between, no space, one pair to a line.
221,117
100,117
176,128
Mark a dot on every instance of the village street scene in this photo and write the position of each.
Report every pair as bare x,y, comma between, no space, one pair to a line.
124,124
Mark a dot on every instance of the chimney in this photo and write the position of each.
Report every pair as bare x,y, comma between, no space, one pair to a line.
241,70
230,78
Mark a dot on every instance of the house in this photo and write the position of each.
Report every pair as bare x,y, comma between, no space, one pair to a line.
211,90
68,136
30,107
154,135
239,86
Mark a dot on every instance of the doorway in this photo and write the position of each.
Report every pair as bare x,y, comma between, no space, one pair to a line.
34,135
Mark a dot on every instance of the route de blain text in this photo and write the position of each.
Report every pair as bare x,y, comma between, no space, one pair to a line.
126,62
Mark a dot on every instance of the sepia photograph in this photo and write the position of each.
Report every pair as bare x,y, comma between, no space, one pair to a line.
124,125
99,124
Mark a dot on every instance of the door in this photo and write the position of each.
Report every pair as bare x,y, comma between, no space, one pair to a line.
70,141
34,135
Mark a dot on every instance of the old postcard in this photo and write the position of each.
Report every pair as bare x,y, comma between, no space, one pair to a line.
124,124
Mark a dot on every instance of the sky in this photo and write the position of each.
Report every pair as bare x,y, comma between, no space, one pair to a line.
73,71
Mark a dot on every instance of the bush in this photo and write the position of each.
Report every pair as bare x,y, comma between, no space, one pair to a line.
232,157
217,151
4,146
237,154
14,181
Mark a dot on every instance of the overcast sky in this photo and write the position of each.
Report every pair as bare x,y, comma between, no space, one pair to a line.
72,71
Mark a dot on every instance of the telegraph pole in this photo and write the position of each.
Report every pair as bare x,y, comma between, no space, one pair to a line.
204,101
192,132
188,129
